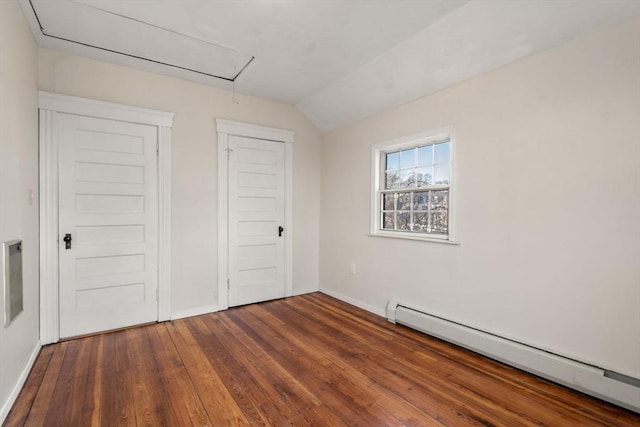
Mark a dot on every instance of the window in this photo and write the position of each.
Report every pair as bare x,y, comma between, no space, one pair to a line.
412,187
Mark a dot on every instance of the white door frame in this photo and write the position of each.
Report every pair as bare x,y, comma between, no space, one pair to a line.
226,128
51,105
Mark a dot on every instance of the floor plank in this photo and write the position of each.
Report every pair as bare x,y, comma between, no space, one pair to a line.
306,360
216,398
24,405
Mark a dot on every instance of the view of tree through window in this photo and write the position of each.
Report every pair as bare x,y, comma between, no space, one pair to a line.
415,194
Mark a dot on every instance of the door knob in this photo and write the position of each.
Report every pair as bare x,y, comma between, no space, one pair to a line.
67,241
280,230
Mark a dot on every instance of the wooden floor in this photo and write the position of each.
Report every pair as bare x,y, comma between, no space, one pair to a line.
306,360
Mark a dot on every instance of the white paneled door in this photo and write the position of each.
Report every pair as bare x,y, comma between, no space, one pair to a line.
108,224
256,205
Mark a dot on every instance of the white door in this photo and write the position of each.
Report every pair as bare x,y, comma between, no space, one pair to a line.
256,220
108,207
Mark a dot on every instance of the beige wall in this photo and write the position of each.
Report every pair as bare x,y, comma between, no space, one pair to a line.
548,160
18,175
194,169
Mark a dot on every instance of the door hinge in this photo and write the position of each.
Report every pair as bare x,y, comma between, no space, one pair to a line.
227,284
158,148
157,294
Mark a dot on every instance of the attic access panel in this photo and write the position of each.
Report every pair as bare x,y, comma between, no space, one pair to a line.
83,23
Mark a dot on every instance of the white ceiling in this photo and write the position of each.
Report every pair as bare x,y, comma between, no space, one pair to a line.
336,60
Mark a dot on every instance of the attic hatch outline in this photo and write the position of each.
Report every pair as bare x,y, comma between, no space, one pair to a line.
228,79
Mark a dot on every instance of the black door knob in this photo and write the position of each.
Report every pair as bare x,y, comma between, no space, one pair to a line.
280,230
67,241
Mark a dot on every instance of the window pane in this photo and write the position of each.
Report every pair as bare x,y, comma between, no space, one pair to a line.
424,176
404,202
387,202
416,187
387,221
421,200
408,179
408,158
404,221
393,161
425,155
440,200
392,180
442,152
420,221
439,222
441,174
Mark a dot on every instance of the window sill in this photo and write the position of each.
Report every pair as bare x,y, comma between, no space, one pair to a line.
413,237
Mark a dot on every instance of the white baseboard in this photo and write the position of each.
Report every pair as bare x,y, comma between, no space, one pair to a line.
212,308
305,291
195,311
11,399
375,310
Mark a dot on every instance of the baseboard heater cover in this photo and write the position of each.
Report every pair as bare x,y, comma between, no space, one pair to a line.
606,385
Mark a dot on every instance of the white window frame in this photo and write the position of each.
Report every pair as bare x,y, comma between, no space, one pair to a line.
377,153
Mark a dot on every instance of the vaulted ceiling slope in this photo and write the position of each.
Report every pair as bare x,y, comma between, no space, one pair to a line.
336,60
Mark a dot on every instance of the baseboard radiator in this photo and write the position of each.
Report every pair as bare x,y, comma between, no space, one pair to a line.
607,385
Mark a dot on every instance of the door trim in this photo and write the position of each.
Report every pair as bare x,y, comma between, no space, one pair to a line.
50,106
224,129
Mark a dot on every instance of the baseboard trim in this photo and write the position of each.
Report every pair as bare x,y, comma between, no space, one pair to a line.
195,311
17,388
212,308
304,291
375,310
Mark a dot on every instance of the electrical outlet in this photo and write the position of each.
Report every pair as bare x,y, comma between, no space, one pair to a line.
352,269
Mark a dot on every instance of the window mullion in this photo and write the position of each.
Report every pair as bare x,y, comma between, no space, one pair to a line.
429,216
408,190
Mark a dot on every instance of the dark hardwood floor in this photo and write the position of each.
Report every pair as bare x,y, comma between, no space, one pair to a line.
306,360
